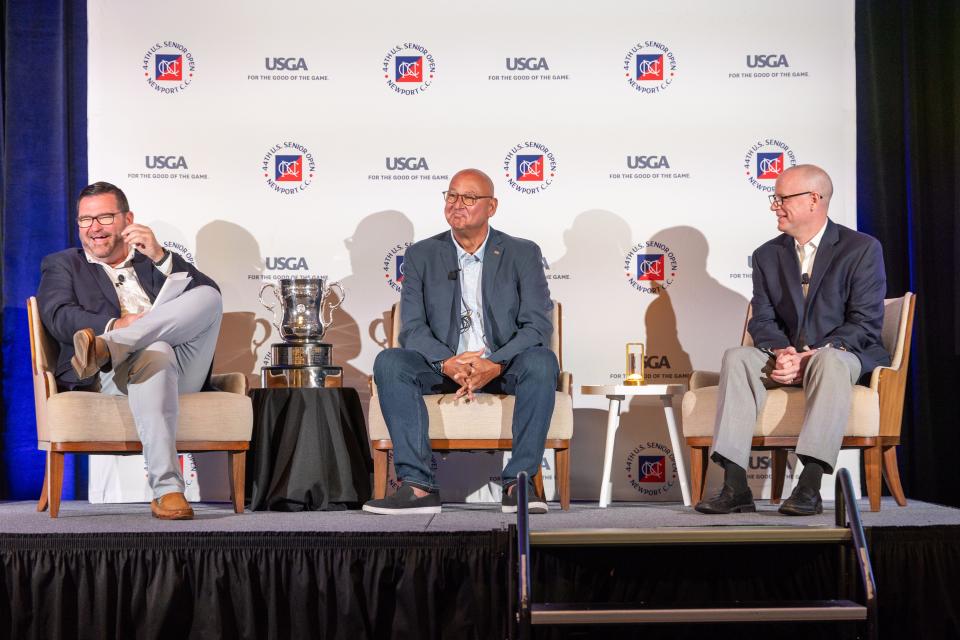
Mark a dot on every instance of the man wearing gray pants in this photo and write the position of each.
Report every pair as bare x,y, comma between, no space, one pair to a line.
96,302
817,312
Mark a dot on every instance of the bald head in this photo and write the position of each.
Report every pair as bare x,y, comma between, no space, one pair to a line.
813,178
480,175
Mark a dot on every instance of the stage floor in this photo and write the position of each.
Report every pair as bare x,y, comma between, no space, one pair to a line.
78,517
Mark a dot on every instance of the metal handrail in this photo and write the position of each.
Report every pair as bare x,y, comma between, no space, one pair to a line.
523,557
848,515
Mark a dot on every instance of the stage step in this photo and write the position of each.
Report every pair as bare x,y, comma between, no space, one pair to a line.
610,613
725,535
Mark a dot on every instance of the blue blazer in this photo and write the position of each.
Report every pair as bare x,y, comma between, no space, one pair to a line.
75,294
516,300
844,303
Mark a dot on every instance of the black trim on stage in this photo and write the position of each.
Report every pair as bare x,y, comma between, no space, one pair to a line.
434,585
258,585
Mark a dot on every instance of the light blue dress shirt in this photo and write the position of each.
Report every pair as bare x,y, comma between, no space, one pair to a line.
471,297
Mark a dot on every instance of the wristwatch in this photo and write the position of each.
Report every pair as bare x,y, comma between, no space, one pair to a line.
438,366
166,254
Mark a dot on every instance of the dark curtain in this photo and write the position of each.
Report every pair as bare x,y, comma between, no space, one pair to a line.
908,144
43,164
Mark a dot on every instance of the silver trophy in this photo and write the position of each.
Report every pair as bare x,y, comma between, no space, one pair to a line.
302,359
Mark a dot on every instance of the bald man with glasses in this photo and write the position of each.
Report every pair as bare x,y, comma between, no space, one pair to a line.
475,316
817,312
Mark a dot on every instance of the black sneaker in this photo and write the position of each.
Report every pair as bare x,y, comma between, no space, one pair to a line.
404,501
534,503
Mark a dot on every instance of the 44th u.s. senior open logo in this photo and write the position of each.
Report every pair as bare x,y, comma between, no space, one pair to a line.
530,167
650,266
651,469
288,167
168,67
650,66
765,160
393,266
409,68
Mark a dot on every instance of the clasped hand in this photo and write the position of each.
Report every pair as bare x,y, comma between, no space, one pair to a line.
471,371
790,365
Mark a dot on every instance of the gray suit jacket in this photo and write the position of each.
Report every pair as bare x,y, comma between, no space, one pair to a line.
844,303
516,299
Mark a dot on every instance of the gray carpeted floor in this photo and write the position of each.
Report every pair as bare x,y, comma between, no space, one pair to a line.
82,517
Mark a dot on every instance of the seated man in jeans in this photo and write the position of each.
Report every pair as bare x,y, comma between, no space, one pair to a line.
475,316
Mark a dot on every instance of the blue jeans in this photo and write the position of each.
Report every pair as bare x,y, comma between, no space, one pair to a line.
404,376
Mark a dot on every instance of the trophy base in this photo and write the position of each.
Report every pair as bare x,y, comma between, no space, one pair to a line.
307,353
305,377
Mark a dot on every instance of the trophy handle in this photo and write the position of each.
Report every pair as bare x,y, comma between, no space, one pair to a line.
342,297
270,307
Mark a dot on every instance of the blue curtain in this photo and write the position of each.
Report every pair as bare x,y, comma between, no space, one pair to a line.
43,165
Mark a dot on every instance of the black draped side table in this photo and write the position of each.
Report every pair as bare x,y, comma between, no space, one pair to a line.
309,451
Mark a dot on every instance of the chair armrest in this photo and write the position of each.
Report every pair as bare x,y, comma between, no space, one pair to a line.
565,382
51,382
699,379
230,382
881,375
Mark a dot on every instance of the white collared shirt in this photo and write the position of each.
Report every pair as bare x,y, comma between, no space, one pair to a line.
471,297
132,297
807,252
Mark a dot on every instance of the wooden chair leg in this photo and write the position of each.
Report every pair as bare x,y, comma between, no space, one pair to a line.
55,476
379,473
237,463
872,464
698,472
562,457
42,502
778,470
538,483
891,473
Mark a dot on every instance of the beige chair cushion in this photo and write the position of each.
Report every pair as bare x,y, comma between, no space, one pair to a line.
80,416
489,417
782,413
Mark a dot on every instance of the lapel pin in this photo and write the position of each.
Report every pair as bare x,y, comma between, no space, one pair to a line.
496,252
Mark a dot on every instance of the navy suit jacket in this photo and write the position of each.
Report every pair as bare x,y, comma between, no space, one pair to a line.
844,303
516,299
75,294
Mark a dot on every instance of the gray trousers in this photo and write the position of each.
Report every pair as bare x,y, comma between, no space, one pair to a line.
744,379
165,353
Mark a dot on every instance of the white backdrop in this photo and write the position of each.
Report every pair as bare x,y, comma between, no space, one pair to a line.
677,162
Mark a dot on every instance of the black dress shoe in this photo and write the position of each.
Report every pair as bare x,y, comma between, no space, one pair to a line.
728,502
804,501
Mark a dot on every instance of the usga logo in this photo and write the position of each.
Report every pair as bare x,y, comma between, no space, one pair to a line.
650,67
650,469
168,67
527,64
292,263
765,160
647,162
393,266
772,60
409,69
530,167
650,266
165,162
288,167
285,64
411,163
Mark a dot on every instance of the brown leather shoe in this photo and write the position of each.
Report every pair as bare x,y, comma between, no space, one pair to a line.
172,506
90,353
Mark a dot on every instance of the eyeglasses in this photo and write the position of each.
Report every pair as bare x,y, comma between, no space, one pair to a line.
469,200
777,201
104,219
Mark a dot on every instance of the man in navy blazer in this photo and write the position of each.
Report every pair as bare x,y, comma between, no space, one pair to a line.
475,316
96,302
817,313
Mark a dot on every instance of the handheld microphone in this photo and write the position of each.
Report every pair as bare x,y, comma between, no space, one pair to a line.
805,279
120,280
